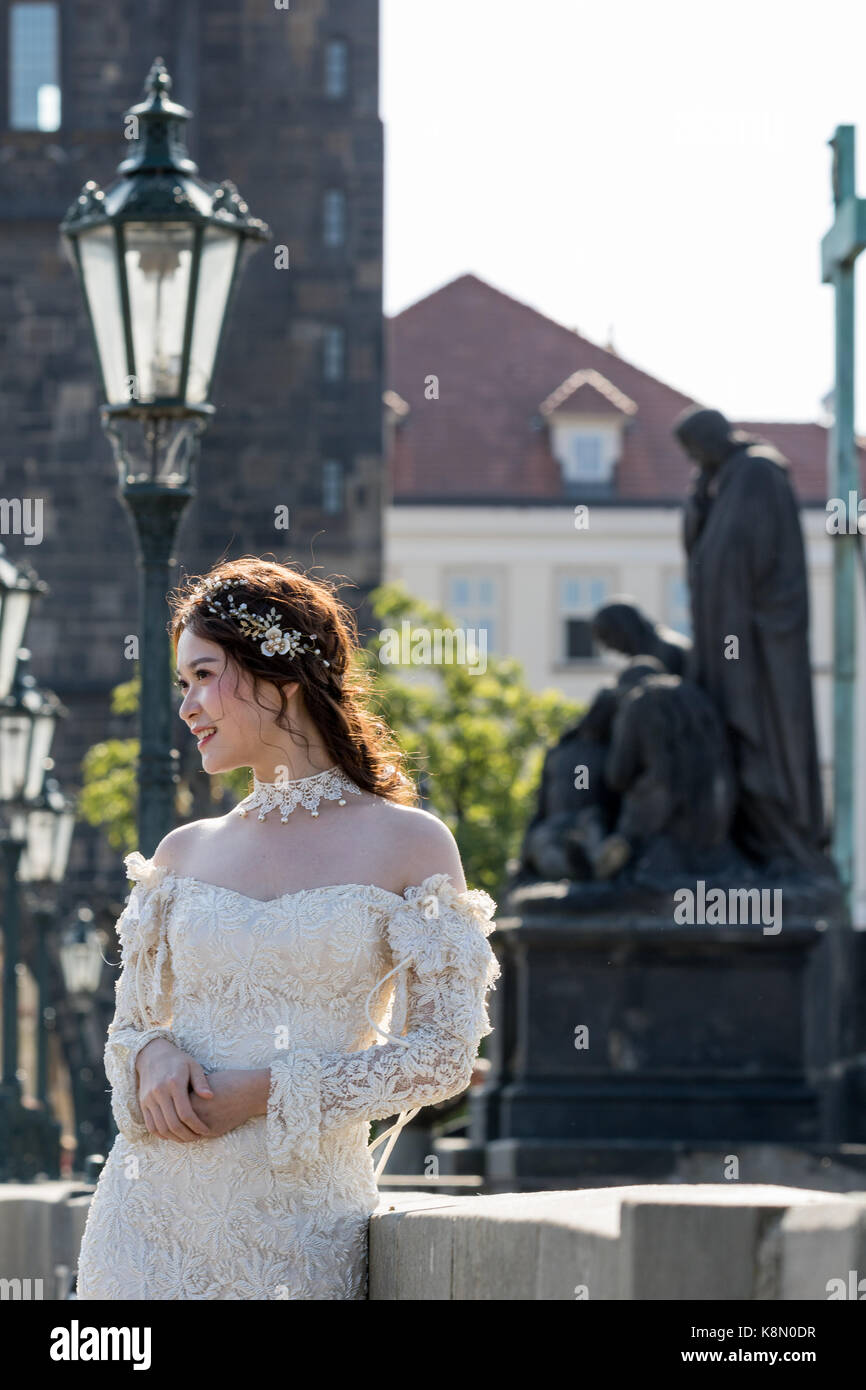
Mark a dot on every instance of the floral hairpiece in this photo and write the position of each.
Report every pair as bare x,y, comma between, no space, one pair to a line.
277,641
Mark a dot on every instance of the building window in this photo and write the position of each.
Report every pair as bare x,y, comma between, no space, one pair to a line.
587,453
334,353
678,613
334,217
336,68
34,67
473,601
580,597
332,485
586,457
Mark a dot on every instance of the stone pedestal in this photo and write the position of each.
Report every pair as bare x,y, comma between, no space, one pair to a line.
624,1037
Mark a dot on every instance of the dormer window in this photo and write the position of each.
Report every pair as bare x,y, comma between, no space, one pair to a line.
586,417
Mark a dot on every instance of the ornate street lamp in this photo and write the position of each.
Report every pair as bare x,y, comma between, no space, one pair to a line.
19,585
28,717
159,254
81,960
50,824
42,867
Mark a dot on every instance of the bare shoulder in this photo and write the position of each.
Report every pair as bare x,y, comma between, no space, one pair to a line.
174,850
425,846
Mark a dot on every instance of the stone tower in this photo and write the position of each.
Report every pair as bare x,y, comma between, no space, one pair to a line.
285,103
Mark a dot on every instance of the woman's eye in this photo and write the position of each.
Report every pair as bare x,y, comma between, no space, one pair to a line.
181,685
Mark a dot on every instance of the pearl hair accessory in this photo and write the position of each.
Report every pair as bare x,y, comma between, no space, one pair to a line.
303,791
276,641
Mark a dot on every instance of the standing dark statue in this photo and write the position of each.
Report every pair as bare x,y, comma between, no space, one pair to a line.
750,652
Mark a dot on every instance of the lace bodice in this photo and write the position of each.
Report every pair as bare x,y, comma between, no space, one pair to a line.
302,984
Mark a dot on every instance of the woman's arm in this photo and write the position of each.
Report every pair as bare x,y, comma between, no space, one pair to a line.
148,1072
438,939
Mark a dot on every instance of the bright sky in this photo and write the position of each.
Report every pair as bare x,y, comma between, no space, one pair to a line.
659,168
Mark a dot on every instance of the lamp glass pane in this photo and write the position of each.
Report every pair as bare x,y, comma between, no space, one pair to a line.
14,750
35,864
76,962
40,747
158,260
14,608
81,960
65,824
218,253
99,269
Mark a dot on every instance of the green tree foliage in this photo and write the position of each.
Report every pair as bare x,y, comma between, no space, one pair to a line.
478,740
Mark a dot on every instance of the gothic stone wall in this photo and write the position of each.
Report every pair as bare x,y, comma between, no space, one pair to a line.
252,75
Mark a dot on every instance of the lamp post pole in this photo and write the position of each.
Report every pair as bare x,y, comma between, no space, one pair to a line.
13,846
156,513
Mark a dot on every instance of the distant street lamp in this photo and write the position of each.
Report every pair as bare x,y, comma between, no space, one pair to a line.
42,868
27,720
159,254
18,587
81,960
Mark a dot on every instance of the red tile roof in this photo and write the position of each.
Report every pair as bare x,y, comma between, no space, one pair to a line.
497,361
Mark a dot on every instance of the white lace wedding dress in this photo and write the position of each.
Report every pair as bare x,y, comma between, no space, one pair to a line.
279,1207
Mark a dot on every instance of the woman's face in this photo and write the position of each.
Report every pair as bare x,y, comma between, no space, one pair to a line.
218,705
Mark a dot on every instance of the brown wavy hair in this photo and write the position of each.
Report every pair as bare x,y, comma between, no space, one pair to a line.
338,697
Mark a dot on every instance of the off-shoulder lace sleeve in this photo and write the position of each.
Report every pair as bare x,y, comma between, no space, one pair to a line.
444,966
143,990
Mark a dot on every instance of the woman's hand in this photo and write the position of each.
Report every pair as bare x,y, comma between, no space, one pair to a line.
165,1077
235,1100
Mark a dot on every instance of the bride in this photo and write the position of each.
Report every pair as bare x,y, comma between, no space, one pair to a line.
263,953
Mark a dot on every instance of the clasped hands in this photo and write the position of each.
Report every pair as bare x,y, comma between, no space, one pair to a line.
180,1101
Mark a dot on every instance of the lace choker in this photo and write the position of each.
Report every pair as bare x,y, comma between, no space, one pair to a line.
303,791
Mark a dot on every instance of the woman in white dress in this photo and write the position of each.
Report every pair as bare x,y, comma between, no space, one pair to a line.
263,951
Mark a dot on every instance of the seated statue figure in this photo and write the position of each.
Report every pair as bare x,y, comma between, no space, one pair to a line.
576,809
669,761
622,626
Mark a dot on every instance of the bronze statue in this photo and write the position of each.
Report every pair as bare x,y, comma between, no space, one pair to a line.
702,757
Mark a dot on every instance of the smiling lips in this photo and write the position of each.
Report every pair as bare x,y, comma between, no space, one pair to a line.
204,736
